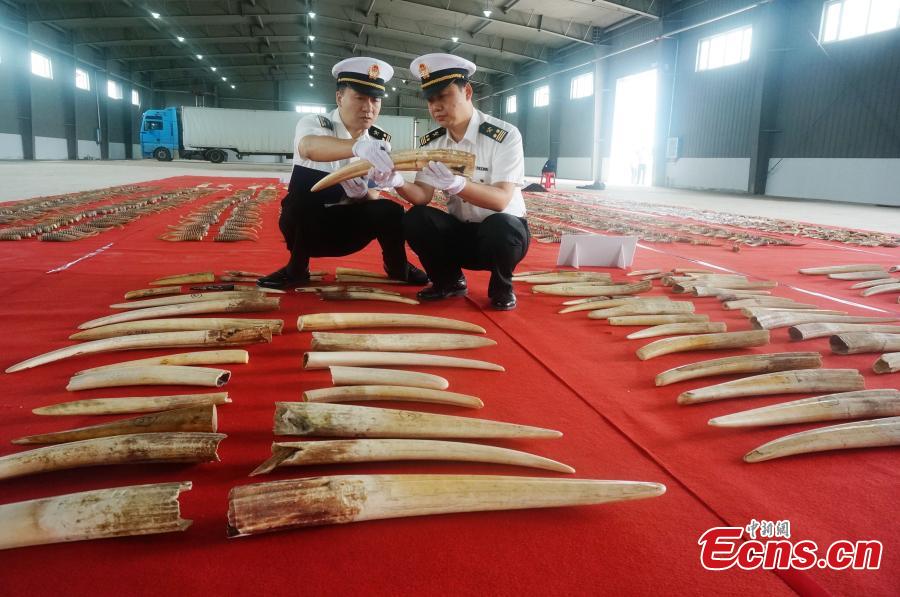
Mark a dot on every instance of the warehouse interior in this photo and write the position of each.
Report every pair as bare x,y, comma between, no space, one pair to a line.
752,139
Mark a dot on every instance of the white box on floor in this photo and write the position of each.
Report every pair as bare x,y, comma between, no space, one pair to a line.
596,249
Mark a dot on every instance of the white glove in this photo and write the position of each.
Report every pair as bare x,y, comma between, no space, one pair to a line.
441,177
386,180
376,152
355,188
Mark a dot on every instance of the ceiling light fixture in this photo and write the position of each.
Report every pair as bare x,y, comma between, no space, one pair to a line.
199,56
179,38
213,69
155,15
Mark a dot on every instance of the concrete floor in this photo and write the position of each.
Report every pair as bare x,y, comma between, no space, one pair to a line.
22,180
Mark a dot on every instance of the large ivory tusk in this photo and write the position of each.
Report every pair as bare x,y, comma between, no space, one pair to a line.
142,404
858,342
674,329
175,324
195,418
196,278
632,320
636,308
560,278
875,282
889,362
364,376
867,275
608,303
342,420
755,311
873,433
281,505
150,375
703,342
780,382
883,289
460,162
119,449
582,289
235,305
365,296
863,404
683,287
751,363
735,292
332,341
837,269
767,301
341,321
163,340
402,393
806,331
770,321
343,288
159,291
203,357
194,297
382,450
98,514
352,271
321,360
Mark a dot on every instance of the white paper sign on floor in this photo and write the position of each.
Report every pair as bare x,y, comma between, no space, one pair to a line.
596,249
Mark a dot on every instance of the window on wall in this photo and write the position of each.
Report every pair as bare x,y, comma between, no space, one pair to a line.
41,66
542,96
113,90
310,109
82,80
582,86
724,49
135,97
846,19
511,104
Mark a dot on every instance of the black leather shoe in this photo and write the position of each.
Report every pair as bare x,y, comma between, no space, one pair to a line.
410,275
436,292
280,279
504,302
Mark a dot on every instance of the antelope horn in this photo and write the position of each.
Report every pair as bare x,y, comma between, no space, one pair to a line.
656,319
203,357
163,340
281,505
159,291
867,275
460,162
703,342
735,285
197,278
889,362
366,296
150,375
152,326
832,407
768,301
321,360
751,363
673,329
366,280
592,289
873,433
361,376
883,289
837,269
195,418
181,299
779,382
139,448
770,321
331,341
383,450
402,393
806,331
99,514
716,291
235,305
671,308
352,271
341,420
875,282
341,321
608,303
143,404
857,342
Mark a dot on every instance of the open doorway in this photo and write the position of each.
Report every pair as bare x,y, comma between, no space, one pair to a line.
634,123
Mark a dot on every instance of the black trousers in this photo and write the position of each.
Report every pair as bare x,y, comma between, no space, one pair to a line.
446,245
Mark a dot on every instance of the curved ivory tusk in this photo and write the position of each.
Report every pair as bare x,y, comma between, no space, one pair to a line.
736,292
633,320
608,303
767,301
586,277
367,376
196,418
582,289
402,393
683,287
883,289
203,357
173,324
236,305
342,420
143,404
592,299
159,291
889,362
331,341
780,382
875,282
341,321
864,404
858,342
754,311
806,331
837,269
194,297
770,321
321,360
366,296
150,375
670,308
343,288
703,342
141,341
867,275
382,450
460,162
751,363
139,448
282,505
196,278
674,329
352,271
366,280
99,514
874,433
644,272
535,273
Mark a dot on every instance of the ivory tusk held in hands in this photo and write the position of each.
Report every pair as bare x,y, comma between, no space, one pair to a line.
460,162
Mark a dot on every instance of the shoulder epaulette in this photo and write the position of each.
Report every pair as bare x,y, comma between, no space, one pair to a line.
493,131
429,137
325,123
377,133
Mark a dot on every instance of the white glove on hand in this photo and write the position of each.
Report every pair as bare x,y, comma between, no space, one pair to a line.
356,188
376,152
441,177
386,180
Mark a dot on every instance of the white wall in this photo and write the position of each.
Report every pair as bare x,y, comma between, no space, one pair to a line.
50,148
11,147
858,180
574,168
88,149
719,174
117,151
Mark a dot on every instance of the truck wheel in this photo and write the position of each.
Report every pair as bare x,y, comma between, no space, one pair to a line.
216,156
162,154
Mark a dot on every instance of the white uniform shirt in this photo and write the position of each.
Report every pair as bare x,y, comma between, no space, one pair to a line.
499,157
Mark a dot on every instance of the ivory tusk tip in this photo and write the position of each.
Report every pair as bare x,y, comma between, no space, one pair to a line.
755,456
686,398
721,422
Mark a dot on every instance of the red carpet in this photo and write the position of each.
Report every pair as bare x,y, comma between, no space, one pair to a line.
563,371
